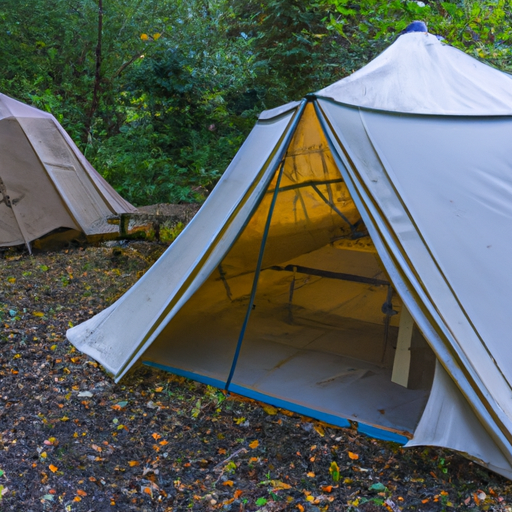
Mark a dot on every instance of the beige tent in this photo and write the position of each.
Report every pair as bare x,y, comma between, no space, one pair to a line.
46,184
352,263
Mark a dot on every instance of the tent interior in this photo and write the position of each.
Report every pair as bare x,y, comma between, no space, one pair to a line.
324,330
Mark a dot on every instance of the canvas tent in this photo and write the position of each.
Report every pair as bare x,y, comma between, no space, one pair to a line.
352,262
46,184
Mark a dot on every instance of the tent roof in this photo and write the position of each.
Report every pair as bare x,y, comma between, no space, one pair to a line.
10,107
420,74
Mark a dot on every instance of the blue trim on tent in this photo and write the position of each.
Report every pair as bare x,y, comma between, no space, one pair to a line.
209,381
369,430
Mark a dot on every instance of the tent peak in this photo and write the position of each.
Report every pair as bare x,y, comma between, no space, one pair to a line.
415,26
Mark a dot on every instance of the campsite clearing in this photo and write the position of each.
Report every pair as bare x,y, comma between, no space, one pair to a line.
72,439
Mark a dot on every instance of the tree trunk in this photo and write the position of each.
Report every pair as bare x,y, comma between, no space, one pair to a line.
97,77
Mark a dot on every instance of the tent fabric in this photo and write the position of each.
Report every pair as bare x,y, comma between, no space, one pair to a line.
45,182
420,74
457,426
386,192
222,216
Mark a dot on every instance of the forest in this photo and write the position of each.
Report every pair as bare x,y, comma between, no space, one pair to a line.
160,94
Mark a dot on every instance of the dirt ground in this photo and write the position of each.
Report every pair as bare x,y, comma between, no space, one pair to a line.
72,440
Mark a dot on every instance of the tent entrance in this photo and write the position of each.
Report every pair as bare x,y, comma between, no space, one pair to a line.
324,321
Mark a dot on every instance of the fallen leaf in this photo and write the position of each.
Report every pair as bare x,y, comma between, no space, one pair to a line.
238,493
319,430
228,482
254,444
81,493
353,456
156,436
271,411
133,463
277,485
311,474
52,468
327,488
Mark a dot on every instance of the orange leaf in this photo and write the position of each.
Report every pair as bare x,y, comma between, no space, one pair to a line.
254,444
228,482
81,493
238,493
77,498
164,442
53,468
311,474
300,507
147,490
96,447
156,436
133,463
327,488
353,456
144,37
221,451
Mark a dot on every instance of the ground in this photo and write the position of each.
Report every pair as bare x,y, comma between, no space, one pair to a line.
73,440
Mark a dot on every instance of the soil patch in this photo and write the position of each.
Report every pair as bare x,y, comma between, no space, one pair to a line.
73,440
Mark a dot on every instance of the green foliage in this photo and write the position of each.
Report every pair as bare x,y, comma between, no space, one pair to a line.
181,83
478,27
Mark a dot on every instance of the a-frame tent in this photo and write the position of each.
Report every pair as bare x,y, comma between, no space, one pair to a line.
46,183
353,262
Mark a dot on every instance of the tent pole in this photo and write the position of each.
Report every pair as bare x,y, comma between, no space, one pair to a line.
256,274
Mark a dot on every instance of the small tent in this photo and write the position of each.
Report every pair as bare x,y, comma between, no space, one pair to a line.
352,264
46,184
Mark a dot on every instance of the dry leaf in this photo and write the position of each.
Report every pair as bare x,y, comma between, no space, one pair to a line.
271,411
81,493
133,463
311,474
277,485
52,468
238,493
353,456
156,436
254,444
228,482
319,430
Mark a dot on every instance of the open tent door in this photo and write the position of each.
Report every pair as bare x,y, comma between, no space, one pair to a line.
300,312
